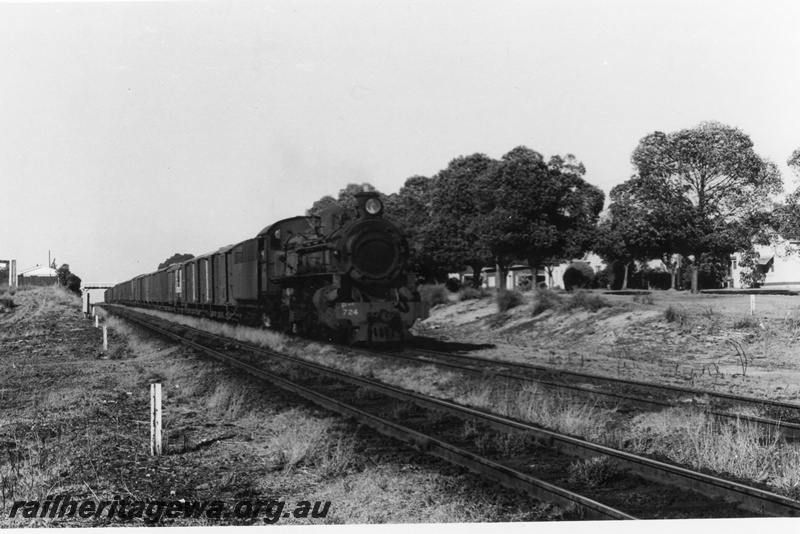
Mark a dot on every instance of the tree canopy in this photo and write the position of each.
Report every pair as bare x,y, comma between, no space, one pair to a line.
519,208
67,279
711,179
453,233
536,211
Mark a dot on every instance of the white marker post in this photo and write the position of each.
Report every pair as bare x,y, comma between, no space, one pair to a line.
87,301
96,321
105,338
155,419
752,304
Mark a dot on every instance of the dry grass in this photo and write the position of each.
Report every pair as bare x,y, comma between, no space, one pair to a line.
531,403
227,403
259,337
740,449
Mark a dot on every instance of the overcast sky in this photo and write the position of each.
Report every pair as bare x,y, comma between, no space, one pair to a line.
132,131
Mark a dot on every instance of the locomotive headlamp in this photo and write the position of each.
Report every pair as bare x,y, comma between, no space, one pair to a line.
373,206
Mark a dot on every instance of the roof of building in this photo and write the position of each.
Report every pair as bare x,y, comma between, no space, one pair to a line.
39,270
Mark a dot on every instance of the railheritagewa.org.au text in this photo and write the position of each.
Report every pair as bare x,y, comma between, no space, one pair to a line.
270,511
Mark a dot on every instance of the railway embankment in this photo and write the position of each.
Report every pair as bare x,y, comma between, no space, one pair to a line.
709,341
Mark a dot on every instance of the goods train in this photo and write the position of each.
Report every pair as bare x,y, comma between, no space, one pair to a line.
342,275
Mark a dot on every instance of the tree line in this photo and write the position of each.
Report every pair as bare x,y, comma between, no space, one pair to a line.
696,195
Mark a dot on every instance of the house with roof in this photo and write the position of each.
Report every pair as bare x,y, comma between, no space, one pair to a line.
40,275
778,263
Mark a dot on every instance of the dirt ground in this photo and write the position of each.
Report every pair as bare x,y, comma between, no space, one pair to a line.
74,420
705,341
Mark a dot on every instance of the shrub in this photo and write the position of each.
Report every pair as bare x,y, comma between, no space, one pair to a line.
584,299
507,299
453,285
545,299
671,314
591,473
645,298
434,294
525,284
471,293
746,322
578,275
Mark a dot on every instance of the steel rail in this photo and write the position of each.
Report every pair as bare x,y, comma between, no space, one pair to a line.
509,477
638,383
749,498
790,430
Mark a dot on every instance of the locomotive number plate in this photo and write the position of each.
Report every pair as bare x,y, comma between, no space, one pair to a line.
349,309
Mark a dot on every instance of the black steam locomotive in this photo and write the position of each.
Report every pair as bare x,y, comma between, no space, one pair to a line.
341,275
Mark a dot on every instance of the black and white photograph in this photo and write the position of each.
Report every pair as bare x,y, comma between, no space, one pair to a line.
462,265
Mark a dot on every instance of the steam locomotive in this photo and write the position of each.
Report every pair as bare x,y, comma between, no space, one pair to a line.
342,275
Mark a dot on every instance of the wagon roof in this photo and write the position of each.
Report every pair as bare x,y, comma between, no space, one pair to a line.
309,218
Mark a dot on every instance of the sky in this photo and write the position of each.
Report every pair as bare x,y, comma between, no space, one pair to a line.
130,131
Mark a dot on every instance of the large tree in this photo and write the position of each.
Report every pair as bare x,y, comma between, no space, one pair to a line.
645,221
453,236
786,218
714,177
536,211
68,280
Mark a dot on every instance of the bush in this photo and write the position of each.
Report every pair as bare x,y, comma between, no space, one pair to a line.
591,473
545,299
746,322
471,293
507,299
671,314
434,294
587,301
525,284
453,285
578,275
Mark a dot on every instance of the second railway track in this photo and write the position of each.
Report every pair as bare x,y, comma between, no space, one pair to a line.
778,416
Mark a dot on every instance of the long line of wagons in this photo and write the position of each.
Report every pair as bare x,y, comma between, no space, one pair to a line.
341,275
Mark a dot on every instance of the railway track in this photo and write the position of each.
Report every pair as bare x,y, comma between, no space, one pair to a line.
780,416
438,427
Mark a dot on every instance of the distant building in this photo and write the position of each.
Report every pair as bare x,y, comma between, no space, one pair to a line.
37,276
519,273
779,263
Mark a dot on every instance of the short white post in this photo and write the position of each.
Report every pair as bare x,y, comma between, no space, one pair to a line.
94,312
97,321
155,419
105,338
752,304
87,301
